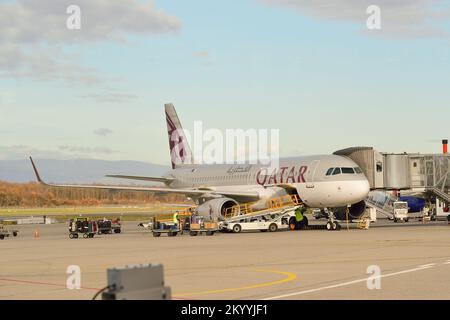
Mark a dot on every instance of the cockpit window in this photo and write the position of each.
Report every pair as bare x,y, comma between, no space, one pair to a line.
358,170
329,171
336,171
348,170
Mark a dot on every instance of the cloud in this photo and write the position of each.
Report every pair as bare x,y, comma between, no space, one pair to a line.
401,18
17,152
30,21
111,97
103,132
86,150
44,63
33,34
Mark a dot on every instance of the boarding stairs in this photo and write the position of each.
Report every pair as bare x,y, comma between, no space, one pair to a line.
437,180
442,195
381,209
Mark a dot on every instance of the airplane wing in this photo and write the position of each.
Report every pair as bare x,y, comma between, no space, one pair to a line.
196,193
155,179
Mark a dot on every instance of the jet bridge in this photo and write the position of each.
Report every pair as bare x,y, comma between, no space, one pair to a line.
412,172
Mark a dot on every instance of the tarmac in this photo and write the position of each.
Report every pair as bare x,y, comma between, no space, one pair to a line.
413,260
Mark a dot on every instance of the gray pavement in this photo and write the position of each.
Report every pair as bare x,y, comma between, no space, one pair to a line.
414,260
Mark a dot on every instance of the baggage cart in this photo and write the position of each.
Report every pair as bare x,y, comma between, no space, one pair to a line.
7,232
82,227
208,228
162,228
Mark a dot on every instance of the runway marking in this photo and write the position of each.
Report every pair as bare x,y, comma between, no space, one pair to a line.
419,268
289,277
427,265
43,283
447,262
57,285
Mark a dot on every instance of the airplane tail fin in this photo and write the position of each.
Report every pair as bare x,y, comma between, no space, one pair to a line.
180,152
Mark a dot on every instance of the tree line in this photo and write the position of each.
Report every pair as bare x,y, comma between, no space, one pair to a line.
32,194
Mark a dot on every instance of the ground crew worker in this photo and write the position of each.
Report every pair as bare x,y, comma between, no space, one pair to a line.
175,219
299,218
181,223
298,215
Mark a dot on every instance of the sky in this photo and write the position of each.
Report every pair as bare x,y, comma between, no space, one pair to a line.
311,69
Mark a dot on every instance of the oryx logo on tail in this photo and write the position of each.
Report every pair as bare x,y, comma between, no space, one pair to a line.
180,152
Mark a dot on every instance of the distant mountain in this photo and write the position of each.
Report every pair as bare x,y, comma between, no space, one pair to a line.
77,171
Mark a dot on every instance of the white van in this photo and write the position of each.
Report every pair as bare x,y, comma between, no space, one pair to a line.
401,211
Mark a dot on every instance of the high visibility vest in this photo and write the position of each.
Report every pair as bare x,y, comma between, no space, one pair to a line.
175,218
298,216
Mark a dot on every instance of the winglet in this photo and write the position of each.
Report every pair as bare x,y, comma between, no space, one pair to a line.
38,177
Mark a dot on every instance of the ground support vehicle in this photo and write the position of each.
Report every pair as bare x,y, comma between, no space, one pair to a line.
401,211
266,220
171,230
82,227
109,226
208,228
7,232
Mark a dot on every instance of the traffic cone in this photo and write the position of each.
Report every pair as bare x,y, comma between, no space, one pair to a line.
36,233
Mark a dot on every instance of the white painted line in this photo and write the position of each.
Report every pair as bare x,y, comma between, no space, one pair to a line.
419,268
427,265
447,262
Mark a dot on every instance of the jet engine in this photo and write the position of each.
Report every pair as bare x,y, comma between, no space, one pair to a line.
355,211
215,208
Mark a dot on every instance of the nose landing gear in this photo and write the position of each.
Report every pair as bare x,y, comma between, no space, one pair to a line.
332,225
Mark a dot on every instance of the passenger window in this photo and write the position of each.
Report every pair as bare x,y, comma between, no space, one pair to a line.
336,171
379,167
329,171
347,170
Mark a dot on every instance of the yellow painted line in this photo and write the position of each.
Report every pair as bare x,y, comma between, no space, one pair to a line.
289,277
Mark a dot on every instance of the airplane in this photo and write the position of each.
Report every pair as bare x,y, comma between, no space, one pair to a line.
320,181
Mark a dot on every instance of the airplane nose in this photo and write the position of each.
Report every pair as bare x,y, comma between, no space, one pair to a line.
363,189
359,191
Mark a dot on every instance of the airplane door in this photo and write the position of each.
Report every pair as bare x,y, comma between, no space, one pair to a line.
311,173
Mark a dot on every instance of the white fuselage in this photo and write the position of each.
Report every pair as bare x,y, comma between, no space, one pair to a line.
307,176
